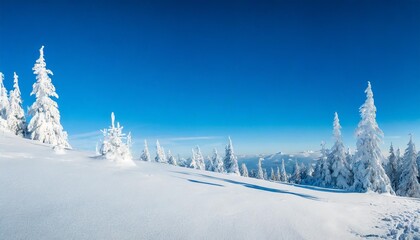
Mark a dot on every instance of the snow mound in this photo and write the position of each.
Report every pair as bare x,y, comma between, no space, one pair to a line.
77,196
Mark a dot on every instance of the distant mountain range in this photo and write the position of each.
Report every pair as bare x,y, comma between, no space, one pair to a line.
274,160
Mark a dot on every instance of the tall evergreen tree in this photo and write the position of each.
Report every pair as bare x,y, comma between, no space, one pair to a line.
171,159
265,175
199,158
45,124
4,101
244,170
113,146
408,184
283,176
296,178
217,162
15,114
230,161
260,172
145,155
369,174
322,173
392,168
193,163
160,153
278,175
4,104
341,176
272,175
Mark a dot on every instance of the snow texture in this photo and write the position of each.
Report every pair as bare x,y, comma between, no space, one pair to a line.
75,196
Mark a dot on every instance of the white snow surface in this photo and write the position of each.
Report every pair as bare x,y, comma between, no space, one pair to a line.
44,195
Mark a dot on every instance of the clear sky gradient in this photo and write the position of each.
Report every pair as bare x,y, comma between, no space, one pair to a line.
270,74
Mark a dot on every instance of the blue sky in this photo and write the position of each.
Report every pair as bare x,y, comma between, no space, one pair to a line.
270,74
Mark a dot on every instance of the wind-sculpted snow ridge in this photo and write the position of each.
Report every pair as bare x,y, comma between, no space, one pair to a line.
44,195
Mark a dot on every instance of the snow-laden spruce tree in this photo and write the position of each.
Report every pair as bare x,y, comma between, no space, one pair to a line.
265,175
160,153
369,174
4,104
260,172
209,164
217,163
171,159
278,175
296,177
4,101
322,174
283,173
244,170
193,163
272,175
199,158
408,184
145,155
45,124
230,161
392,169
115,145
15,114
341,177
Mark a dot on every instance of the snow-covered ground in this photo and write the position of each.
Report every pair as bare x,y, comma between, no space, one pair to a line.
44,195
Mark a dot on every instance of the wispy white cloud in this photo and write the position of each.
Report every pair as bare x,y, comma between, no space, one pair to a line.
85,135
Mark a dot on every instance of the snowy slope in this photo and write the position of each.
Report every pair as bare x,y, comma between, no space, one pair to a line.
74,196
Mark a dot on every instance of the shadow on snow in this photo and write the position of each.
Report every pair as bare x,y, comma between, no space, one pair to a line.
248,185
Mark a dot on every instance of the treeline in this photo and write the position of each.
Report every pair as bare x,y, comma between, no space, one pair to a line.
44,124
365,170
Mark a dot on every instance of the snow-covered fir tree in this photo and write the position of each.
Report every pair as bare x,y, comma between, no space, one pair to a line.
4,101
114,145
283,173
217,163
272,175
341,177
160,153
296,177
171,159
303,176
145,155
392,169
230,161
260,172
265,175
209,164
369,174
193,163
4,104
15,114
278,175
408,184
322,173
349,159
244,170
252,173
45,123
310,170
199,158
